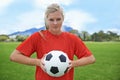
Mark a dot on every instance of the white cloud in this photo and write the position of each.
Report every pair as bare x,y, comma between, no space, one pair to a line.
45,3
3,31
78,19
4,4
8,28
35,18
115,30
30,19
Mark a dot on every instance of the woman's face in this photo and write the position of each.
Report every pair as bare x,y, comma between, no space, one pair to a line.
54,22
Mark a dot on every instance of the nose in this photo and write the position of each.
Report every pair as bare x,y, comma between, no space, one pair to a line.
55,22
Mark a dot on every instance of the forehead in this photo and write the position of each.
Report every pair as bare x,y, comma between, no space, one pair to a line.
56,14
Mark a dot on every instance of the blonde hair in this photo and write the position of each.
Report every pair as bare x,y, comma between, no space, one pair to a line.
50,9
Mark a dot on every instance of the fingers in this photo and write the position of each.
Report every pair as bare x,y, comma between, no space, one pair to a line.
42,65
70,66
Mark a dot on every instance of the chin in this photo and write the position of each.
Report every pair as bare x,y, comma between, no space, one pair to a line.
56,31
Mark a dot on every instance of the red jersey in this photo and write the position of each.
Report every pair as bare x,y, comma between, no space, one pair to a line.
66,42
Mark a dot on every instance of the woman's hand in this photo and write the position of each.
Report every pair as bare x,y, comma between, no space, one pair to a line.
42,65
70,65
82,61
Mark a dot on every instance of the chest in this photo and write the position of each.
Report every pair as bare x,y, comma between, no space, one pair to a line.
57,43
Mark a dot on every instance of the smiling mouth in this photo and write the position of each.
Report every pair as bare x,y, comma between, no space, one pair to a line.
55,27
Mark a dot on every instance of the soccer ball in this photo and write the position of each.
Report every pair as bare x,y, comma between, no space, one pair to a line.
56,63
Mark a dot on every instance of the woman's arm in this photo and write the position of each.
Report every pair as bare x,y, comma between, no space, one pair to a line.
18,57
83,61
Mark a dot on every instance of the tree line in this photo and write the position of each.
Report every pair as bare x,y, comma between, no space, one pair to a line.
84,35
97,36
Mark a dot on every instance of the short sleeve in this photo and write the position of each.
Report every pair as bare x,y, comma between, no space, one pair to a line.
81,49
27,47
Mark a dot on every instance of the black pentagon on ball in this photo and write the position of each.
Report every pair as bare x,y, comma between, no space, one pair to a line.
62,58
48,57
54,70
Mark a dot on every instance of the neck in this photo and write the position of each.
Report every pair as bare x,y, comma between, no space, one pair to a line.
55,32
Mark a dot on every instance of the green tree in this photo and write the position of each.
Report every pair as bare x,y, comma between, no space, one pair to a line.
4,37
112,35
85,36
94,37
21,37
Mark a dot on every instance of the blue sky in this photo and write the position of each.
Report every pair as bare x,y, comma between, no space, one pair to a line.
83,15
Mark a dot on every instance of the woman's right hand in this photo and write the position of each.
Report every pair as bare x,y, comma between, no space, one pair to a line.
42,65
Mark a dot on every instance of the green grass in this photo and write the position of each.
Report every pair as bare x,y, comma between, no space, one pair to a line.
107,66
10,70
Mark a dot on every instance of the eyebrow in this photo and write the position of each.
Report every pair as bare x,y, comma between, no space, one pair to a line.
53,19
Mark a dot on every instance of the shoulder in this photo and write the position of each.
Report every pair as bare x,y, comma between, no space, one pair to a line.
37,34
72,37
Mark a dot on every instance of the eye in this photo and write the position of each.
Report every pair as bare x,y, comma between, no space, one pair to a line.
51,19
58,19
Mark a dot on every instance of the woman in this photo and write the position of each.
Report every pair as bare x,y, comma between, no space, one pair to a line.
50,39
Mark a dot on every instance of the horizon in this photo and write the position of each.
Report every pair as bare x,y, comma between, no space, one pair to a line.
43,28
91,16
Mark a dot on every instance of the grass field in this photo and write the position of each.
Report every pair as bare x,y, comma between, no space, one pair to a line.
107,66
